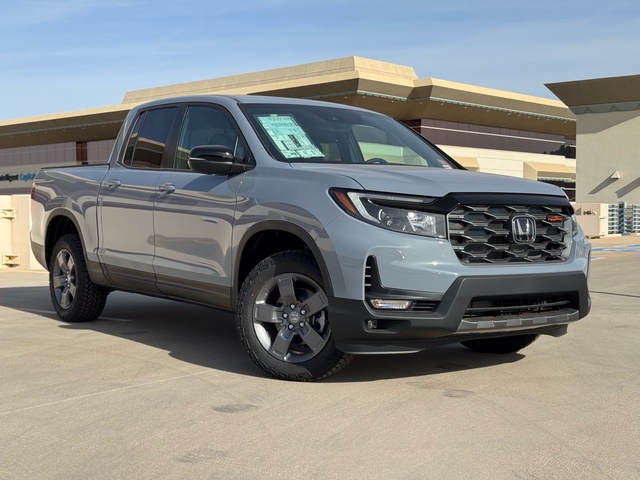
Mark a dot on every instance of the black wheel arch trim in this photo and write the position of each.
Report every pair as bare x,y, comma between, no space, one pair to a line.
284,226
96,273
54,217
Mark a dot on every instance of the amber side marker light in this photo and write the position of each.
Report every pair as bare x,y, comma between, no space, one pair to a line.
345,202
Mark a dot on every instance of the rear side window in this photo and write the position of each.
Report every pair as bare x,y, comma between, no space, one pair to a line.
149,138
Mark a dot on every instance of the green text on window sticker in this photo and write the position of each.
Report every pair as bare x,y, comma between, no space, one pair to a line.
289,137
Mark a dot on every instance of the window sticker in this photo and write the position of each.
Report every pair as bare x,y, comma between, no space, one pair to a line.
289,137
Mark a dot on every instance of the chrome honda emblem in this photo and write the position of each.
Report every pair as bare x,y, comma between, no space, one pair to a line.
523,228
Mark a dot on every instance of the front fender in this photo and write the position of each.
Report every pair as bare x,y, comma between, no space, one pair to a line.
294,221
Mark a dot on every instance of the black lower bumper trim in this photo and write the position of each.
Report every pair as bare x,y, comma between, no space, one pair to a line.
358,328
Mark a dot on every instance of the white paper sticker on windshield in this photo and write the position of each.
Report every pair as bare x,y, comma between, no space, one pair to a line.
289,137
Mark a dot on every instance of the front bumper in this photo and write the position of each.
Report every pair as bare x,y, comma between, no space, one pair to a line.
358,328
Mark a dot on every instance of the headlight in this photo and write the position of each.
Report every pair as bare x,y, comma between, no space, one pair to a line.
400,214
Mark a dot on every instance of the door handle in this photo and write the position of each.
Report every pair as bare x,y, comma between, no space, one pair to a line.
113,183
166,188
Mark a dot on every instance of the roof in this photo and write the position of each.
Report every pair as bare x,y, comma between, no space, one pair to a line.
599,95
81,125
384,87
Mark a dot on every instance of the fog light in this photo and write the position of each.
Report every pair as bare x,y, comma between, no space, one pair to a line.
384,304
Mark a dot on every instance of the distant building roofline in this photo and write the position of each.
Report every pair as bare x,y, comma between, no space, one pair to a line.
385,87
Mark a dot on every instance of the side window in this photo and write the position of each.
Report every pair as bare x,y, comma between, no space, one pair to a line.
131,145
149,137
207,126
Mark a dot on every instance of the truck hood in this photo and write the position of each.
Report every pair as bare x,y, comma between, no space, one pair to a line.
431,182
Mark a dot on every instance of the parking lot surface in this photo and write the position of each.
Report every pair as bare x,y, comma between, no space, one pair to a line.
156,389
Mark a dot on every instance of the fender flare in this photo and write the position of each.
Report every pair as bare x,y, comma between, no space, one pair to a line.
288,227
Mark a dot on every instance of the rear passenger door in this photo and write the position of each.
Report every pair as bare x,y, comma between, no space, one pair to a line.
127,197
194,213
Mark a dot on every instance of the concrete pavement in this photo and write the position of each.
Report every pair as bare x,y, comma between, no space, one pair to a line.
156,389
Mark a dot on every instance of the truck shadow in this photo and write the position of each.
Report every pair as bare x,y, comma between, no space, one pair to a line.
207,337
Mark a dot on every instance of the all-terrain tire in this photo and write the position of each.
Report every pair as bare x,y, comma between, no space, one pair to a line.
283,322
75,297
501,345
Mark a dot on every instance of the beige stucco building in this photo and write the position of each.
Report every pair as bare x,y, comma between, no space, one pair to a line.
485,129
607,136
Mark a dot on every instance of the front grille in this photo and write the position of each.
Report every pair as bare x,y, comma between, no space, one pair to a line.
518,307
424,306
481,234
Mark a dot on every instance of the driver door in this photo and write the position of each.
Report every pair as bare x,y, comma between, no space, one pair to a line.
194,213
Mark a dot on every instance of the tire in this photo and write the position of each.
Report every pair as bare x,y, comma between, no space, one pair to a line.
75,297
282,319
501,345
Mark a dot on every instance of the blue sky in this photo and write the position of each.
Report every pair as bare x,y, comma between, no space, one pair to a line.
62,55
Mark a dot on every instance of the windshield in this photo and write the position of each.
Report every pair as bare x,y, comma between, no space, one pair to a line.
319,134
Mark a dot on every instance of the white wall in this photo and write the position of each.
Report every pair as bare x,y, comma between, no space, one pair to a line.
15,225
608,143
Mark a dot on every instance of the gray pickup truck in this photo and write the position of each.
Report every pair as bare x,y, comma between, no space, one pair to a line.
329,230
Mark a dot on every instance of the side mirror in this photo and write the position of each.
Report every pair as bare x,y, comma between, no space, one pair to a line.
213,159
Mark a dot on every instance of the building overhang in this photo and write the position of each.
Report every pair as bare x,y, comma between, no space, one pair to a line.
470,163
599,95
79,126
549,171
388,88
